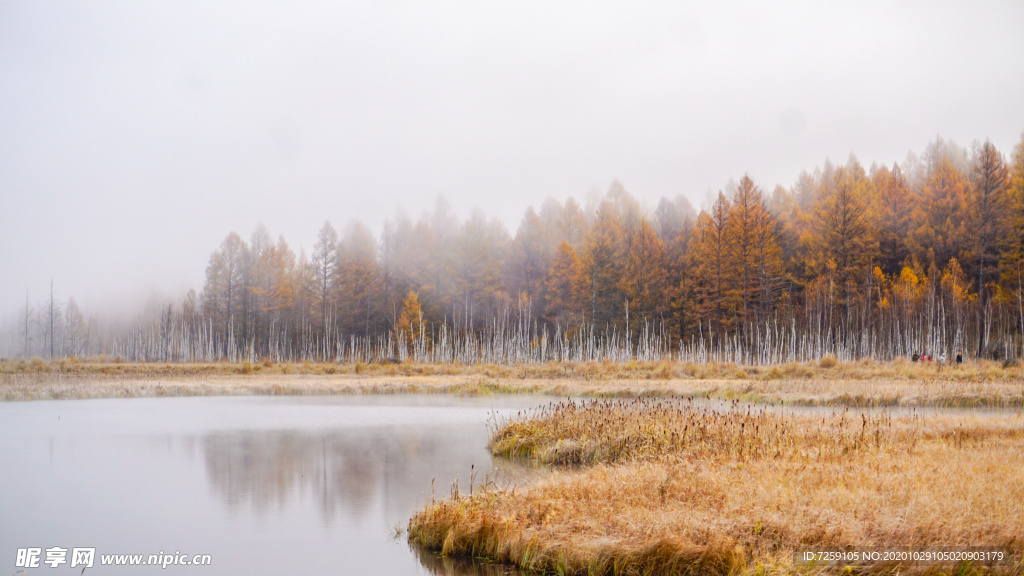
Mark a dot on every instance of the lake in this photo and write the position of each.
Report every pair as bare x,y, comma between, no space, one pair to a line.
263,485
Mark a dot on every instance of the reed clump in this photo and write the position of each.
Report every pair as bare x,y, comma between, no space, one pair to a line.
611,431
663,487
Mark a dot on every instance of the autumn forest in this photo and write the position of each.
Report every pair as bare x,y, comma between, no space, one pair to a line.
922,256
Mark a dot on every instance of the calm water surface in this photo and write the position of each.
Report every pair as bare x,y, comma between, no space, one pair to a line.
265,485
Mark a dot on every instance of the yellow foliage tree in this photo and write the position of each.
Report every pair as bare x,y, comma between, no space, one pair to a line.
410,321
566,287
643,282
711,255
940,233
603,263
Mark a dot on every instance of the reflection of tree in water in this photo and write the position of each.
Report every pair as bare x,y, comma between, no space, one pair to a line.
451,566
347,471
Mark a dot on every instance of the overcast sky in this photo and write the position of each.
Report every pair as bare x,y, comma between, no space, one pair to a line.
135,135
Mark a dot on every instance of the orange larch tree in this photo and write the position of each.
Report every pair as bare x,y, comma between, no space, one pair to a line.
567,288
603,261
711,249
1012,264
643,282
892,209
940,232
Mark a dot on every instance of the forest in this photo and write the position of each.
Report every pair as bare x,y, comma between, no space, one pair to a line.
924,256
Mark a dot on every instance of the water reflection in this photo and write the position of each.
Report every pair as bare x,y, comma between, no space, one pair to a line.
344,472
353,475
267,485
451,566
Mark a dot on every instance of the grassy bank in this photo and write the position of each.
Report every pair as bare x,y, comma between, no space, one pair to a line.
667,488
828,369
865,383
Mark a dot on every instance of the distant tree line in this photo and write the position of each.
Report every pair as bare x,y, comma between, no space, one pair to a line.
927,256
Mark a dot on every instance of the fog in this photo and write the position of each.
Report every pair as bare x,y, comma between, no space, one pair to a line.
135,135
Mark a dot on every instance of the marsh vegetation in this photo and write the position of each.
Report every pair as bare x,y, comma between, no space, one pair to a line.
657,486
827,383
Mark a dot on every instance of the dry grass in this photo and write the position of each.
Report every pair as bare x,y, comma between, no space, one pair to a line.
828,369
675,490
865,383
604,431
20,388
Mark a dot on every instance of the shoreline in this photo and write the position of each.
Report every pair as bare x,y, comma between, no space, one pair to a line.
851,384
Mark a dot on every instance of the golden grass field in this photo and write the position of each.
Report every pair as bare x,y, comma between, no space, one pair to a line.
666,487
864,383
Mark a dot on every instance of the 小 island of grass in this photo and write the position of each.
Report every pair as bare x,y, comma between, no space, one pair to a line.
663,486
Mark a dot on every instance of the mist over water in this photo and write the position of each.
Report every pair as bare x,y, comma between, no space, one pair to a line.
263,485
